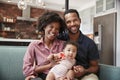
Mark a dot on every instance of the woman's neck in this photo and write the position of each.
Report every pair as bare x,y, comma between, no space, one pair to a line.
48,43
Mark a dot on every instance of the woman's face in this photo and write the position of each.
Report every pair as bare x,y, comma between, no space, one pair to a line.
52,30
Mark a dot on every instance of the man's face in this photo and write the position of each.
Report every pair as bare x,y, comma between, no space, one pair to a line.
72,22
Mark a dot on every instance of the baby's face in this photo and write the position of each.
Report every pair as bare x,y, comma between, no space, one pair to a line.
70,51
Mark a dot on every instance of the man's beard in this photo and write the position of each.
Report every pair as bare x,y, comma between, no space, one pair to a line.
71,32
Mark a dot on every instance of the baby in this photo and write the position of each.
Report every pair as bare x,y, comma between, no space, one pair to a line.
67,60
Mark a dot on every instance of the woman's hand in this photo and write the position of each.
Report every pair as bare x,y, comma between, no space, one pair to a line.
54,57
53,63
29,77
57,58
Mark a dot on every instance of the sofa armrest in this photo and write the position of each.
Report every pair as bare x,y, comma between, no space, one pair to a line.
109,72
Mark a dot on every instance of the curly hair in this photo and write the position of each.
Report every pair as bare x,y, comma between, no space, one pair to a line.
48,18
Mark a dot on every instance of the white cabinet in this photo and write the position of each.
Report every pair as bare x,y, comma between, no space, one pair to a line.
104,5
99,6
110,4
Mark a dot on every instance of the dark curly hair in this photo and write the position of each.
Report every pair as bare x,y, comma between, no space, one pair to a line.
48,18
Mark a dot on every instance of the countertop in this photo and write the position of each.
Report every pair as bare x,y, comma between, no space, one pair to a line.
16,40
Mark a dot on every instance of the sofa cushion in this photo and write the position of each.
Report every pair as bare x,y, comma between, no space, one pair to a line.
11,62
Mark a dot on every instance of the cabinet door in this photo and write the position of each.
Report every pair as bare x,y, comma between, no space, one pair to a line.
104,5
110,4
99,6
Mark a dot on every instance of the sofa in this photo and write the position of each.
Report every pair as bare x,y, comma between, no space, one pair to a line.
11,62
109,72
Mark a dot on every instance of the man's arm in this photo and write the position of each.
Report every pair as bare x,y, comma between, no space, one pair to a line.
93,67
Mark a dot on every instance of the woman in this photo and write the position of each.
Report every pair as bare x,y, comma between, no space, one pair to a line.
35,63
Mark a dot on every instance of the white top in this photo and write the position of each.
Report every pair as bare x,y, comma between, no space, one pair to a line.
62,68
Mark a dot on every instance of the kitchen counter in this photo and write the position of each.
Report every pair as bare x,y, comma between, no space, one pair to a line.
16,42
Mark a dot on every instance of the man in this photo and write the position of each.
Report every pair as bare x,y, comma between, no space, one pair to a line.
87,56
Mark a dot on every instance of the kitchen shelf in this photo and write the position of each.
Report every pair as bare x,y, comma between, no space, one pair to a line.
11,31
7,34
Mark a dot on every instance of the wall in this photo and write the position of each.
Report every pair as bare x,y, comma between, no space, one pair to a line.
87,20
10,10
36,12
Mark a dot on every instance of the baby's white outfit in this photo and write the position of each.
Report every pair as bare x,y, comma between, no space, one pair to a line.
61,69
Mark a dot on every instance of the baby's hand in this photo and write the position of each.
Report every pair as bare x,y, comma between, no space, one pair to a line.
62,55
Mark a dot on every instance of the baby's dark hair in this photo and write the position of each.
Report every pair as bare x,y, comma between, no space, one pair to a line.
70,42
48,18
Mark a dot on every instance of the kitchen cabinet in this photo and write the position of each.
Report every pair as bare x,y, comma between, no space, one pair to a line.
105,5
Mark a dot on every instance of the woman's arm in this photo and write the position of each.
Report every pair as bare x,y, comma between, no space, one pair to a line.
39,69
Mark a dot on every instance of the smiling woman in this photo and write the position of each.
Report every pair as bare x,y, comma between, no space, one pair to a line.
35,63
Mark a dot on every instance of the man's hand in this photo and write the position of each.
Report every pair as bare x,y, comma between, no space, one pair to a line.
69,75
79,70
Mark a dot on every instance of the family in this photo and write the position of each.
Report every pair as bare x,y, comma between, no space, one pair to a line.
63,52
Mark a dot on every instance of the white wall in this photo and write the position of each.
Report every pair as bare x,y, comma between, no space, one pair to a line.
118,35
87,20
